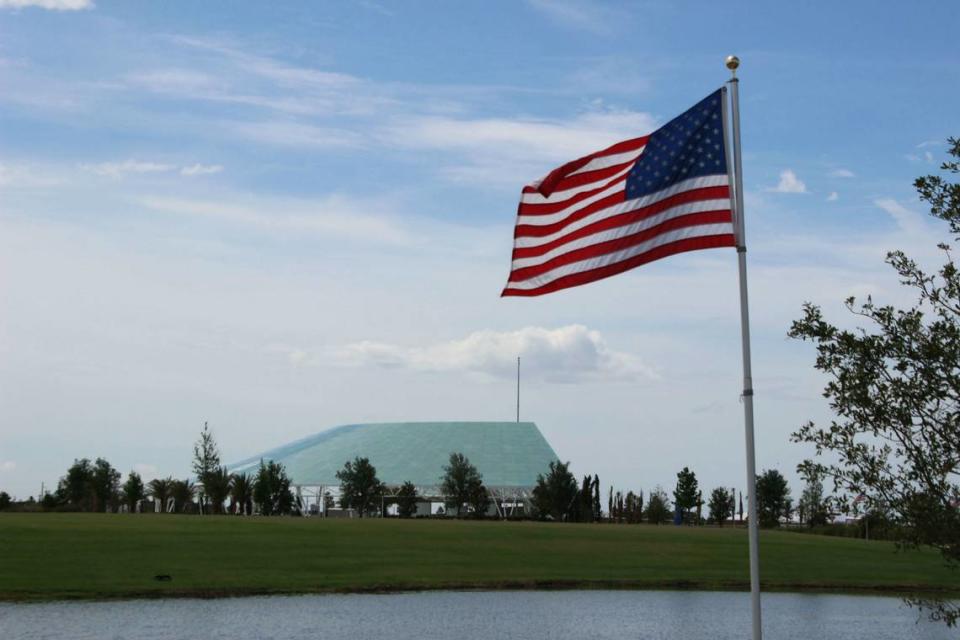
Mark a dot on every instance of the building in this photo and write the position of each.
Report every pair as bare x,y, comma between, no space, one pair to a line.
510,455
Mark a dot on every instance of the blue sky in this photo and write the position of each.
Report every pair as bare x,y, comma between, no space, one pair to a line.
282,218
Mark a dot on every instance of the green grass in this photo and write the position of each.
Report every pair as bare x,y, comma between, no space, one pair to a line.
51,556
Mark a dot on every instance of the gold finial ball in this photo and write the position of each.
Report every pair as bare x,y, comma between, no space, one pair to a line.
733,62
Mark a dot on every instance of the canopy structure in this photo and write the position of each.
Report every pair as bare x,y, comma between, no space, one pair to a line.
510,455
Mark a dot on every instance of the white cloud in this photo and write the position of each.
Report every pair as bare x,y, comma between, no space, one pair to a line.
908,220
842,173
335,215
54,5
789,183
833,197
564,354
8,465
118,170
27,176
293,134
200,169
587,16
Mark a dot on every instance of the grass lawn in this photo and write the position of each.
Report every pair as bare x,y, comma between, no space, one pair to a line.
46,556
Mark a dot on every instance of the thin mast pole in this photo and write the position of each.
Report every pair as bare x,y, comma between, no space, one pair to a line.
518,388
753,526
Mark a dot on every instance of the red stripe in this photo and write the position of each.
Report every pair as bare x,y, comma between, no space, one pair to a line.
586,177
618,244
584,277
550,183
542,209
693,195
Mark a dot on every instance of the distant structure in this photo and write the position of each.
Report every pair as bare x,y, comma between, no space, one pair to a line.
510,455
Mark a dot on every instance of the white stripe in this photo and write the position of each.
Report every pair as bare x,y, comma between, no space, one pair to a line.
566,194
624,254
608,161
626,230
628,205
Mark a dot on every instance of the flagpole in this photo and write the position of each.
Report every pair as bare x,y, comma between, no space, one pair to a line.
737,179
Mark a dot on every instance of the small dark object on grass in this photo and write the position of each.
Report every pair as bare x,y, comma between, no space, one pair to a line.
163,578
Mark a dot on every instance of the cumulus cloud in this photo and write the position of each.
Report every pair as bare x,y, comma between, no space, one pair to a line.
53,5
200,169
565,354
833,197
842,173
789,183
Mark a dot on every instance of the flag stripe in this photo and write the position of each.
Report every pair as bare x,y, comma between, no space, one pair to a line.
604,176
606,249
612,228
577,278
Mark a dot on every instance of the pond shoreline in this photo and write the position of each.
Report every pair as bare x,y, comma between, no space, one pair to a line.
901,591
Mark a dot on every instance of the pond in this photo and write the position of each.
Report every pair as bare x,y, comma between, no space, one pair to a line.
526,615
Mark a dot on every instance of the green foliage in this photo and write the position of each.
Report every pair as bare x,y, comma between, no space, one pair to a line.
182,492
360,488
161,489
597,508
720,505
895,389
271,489
407,500
686,494
241,493
658,507
206,459
133,491
216,486
813,507
4,500
773,498
556,493
461,483
105,483
76,487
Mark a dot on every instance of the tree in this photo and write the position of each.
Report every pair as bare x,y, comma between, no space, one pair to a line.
76,487
133,491
241,492
597,508
407,500
182,492
206,459
160,490
685,495
813,507
658,507
216,486
4,500
479,499
555,494
895,390
720,505
773,498
105,483
360,488
460,482
740,509
271,489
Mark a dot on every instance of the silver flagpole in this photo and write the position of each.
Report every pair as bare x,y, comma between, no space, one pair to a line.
737,187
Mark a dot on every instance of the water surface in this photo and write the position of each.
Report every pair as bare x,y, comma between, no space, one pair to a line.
526,615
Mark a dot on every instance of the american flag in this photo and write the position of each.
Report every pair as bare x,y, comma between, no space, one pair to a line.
632,203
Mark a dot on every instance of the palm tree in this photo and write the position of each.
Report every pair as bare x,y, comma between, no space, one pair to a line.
159,490
216,485
241,492
182,492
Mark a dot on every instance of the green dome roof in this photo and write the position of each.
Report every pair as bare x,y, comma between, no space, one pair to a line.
508,454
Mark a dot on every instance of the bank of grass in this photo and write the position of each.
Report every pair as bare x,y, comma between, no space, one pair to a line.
66,556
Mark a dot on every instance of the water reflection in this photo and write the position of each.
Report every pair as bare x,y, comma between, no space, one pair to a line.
526,615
